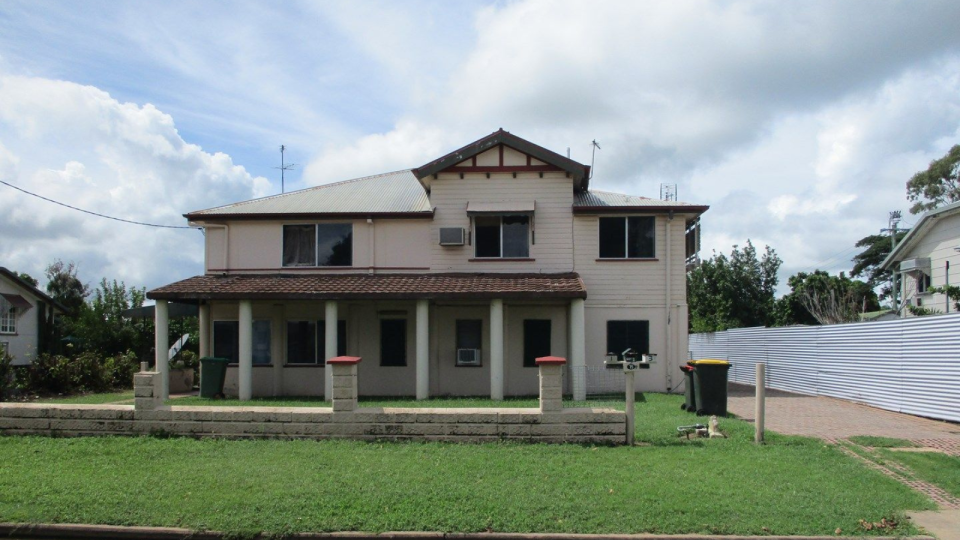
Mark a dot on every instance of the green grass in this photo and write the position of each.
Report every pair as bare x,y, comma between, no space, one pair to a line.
791,485
938,469
91,399
881,442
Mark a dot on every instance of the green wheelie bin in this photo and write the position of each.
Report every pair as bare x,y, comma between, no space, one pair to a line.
690,403
213,371
710,386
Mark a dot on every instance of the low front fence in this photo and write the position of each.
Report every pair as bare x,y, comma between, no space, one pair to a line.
548,423
906,365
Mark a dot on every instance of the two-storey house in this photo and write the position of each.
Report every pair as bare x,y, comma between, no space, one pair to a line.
448,279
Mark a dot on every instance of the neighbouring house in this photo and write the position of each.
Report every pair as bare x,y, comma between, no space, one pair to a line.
25,315
928,256
448,279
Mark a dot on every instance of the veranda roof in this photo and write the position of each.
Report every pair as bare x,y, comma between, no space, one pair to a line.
363,286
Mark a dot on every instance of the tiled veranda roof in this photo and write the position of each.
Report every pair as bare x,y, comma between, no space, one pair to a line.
384,286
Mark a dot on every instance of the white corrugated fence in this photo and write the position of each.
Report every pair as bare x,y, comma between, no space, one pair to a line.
907,365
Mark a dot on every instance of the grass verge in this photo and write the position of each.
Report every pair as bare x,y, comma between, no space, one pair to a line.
938,469
790,486
881,442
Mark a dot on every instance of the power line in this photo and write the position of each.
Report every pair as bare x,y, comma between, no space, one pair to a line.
93,213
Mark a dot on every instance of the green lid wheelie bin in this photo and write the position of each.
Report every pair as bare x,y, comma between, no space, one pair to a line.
690,404
213,371
710,386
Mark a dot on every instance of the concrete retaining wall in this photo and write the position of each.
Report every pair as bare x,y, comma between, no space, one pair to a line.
456,425
549,423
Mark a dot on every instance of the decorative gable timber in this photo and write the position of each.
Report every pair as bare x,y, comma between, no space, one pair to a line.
502,151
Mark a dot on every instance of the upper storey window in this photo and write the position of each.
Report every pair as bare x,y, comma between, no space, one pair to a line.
323,244
627,237
505,237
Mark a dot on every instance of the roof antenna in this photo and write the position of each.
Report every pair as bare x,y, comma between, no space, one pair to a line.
283,168
593,155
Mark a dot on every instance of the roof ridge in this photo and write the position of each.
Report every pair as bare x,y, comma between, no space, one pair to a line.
300,191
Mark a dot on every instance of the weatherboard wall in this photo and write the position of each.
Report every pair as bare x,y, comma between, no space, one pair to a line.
940,244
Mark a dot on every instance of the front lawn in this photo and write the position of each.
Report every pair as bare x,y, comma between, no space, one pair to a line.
669,485
125,396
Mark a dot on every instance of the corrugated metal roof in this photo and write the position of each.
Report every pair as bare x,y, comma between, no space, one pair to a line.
389,193
605,198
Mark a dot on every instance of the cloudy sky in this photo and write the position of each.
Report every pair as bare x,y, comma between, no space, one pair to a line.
798,122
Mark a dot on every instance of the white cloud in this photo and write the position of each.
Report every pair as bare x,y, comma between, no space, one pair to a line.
76,144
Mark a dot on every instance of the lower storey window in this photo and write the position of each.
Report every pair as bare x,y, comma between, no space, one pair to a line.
536,340
469,340
307,341
623,335
393,342
226,341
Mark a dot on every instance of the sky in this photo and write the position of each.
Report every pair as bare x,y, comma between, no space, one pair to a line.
799,123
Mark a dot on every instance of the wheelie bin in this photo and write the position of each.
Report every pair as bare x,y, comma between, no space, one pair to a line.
710,386
213,372
690,404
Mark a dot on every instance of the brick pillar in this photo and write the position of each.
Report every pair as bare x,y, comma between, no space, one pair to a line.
551,383
147,391
344,369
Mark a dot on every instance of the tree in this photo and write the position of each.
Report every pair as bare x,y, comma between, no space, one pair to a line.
28,278
733,292
826,299
938,185
65,287
867,262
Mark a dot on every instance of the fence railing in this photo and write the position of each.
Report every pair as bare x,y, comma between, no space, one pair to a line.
907,365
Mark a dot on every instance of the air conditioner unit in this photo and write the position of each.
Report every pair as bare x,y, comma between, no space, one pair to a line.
919,264
468,357
452,236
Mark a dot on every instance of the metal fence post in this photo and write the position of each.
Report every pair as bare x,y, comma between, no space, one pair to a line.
631,395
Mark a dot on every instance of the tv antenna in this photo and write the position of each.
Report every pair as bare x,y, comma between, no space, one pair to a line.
284,167
593,154
668,192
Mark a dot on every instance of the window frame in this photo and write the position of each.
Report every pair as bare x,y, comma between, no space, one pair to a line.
8,320
644,322
403,349
316,244
500,217
533,362
457,347
626,241
213,339
286,343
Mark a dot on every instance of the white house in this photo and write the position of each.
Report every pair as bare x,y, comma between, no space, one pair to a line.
24,310
928,256
448,279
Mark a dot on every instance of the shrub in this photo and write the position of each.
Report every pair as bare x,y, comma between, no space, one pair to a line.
85,372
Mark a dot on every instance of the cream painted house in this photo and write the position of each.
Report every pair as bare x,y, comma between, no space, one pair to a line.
447,279
24,310
928,256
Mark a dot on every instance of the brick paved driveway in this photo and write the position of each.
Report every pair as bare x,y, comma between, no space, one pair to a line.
832,419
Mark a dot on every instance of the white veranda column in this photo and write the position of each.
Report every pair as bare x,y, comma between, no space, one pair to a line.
496,349
204,330
423,349
276,347
330,348
246,350
578,369
162,346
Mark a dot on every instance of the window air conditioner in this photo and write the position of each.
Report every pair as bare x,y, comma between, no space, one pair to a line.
451,236
468,357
